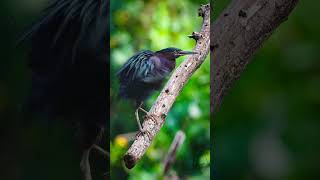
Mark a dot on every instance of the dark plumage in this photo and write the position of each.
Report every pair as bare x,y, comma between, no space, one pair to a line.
69,63
145,72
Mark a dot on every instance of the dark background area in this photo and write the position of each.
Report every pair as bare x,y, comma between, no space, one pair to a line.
31,149
268,126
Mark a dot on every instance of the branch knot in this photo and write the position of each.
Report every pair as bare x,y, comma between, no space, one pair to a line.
203,10
196,36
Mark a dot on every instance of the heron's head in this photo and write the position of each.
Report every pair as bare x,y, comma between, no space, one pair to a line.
172,53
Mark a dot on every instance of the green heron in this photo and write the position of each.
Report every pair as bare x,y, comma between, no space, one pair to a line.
144,73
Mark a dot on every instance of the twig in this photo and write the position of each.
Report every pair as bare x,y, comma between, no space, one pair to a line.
101,150
236,35
171,156
170,92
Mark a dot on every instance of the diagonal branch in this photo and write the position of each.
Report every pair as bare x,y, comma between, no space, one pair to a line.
236,35
170,92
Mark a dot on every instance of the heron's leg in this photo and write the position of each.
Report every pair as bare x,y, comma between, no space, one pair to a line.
101,150
143,110
141,130
98,148
148,115
85,165
138,120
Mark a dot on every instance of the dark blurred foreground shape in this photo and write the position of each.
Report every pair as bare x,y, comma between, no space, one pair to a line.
66,109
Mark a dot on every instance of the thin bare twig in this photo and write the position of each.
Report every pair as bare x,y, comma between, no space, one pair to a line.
171,156
101,150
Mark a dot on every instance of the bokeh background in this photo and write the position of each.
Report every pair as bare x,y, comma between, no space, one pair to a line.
268,126
154,25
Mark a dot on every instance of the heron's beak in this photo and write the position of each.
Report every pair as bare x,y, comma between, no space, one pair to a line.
182,53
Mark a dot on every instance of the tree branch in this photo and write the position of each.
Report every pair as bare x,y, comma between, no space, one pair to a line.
236,35
168,95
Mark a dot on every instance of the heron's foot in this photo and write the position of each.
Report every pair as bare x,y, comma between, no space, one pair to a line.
148,115
153,117
142,132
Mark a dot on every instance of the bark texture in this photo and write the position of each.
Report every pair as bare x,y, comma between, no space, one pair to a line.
236,35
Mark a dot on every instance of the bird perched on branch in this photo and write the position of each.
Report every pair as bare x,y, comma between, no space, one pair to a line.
144,73
69,63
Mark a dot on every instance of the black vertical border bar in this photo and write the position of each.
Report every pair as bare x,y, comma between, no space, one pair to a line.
110,75
107,131
212,151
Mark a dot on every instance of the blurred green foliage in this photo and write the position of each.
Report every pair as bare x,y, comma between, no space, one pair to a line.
268,125
154,25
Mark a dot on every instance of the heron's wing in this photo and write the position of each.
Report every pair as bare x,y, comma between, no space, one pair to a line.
137,67
68,45
68,30
153,70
